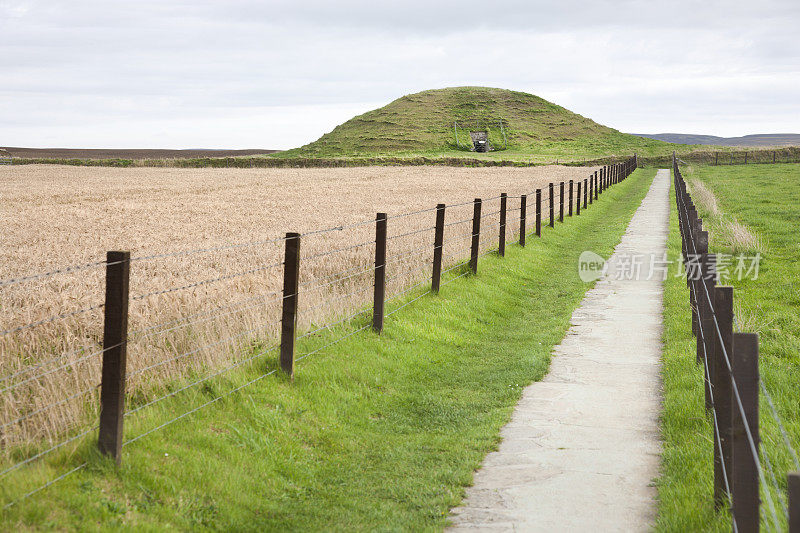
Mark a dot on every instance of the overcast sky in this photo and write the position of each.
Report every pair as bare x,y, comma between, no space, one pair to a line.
241,74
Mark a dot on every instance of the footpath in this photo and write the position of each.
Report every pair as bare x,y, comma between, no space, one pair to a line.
583,445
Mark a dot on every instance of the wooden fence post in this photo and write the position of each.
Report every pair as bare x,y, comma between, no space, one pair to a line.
569,211
793,488
595,184
291,278
476,233
438,244
773,157
379,292
523,214
578,205
501,245
709,268
585,191
721,385
745,467
552,208
696,225
115,354
745,157
701,242
561,202
538,212
716,158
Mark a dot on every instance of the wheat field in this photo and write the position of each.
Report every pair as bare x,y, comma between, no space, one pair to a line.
206,248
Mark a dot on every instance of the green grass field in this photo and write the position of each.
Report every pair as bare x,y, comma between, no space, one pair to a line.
376,432
765,199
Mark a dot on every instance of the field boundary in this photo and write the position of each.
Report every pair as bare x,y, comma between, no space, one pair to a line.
731,386
118,266
733,156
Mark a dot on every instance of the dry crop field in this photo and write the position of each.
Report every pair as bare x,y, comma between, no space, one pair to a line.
206,272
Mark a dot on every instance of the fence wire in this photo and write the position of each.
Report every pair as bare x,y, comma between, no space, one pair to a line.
707,300
404,258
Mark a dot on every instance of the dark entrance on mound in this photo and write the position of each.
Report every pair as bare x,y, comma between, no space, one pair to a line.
485,134
480,140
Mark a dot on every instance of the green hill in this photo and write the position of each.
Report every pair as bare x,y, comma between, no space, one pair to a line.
422,124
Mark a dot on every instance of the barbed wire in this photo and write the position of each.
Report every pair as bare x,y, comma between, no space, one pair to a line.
334,324
195,383
201,348
401,258
716,434
47,451
361,272
205,282
781,427
206,250
339,250
329,301
340,339
458,222
49,406
461,204
61,270
338,228
40,364
209,315
406,291
65,365
410,233
734,385
192,411
405,272
42,487
419,212
455,278
51,319
336,274
775,415
775,484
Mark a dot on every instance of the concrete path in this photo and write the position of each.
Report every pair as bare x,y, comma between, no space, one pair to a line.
582,447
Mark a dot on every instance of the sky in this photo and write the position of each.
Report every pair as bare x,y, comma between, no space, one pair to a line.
278,74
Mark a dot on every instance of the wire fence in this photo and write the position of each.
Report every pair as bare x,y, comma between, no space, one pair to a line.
102,364
744,475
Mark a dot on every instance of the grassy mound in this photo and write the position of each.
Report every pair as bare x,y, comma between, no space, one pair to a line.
422,124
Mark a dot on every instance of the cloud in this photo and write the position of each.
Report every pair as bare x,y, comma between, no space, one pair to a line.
276,74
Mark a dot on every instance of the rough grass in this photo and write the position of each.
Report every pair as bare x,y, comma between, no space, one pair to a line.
766,199
725,230
375,433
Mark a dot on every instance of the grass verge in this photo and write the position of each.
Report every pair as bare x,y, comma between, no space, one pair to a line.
765,199
376,432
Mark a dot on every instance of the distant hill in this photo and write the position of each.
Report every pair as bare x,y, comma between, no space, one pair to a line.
123,153
767,139
423,123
